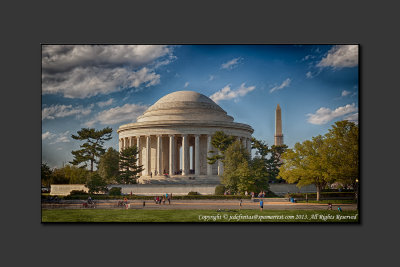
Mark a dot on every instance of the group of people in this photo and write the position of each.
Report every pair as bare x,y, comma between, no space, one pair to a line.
163,198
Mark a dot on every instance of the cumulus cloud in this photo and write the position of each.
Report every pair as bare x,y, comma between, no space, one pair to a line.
87,82
64,57
226,93
284,84
186,84
60,111
352,118
81,71
309,75
56,138
345,93
325,115
103,104
125,113
212,77
340,56
47,135
231,63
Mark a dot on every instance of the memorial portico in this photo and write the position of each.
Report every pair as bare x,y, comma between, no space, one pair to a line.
173,137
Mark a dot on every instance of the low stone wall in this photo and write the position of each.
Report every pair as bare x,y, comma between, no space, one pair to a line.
150,190
65,189
184,189
282,189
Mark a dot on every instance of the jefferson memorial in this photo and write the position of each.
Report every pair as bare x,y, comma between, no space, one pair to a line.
174,135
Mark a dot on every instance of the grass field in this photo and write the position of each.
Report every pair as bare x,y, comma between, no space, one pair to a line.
199,216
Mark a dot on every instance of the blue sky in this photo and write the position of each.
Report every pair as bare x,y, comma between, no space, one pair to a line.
108,85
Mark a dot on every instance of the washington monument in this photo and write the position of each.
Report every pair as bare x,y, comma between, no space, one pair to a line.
278,127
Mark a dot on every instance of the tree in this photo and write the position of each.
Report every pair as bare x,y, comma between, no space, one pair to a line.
95,183
128,166
343,153
237,172
108,167
221,142
241,173
92,149
46,174
306,164
75,175
270,156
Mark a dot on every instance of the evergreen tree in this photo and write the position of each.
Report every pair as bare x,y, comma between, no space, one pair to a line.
95,183
128,166
221,142
108,167
45,174
92,149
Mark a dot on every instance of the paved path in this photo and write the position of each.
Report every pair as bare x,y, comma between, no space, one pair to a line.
203,204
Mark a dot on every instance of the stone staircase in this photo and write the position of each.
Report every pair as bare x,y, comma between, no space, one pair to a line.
180,180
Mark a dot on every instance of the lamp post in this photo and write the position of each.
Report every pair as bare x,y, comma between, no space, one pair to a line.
357,192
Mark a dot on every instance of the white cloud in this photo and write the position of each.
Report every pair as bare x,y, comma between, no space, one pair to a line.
231,63
340,56
186,84
284,84
309,75
81,71
212,77
125,113
352,118
60,111
345,93
325,115
226,93
47,135
105,103
64,57
86,82
56,138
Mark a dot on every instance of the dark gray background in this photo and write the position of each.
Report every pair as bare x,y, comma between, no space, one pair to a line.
27,24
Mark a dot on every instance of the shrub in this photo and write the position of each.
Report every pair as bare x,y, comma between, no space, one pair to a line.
191,193
219,190
78,192
115,191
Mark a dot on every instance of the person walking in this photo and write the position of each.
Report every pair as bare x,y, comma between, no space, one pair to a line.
261,205
144,203
240,204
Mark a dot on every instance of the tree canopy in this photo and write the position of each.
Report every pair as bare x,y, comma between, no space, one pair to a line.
129,169
241,173
93,148
220,142
324,159
108,167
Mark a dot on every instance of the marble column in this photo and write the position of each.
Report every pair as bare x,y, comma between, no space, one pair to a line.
185,154
209,155
159,154
120,145
197,155
249,146
171,155
220,165
148,160
139,161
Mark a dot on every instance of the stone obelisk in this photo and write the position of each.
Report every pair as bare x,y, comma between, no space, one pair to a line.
278,127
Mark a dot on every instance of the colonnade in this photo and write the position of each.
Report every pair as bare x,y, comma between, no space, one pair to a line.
160,154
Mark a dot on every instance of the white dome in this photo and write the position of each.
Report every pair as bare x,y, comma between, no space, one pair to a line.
185,106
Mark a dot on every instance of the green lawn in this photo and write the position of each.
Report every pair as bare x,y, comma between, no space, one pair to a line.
117,215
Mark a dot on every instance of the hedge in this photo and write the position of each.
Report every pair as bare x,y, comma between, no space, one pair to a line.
330,195
183,197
